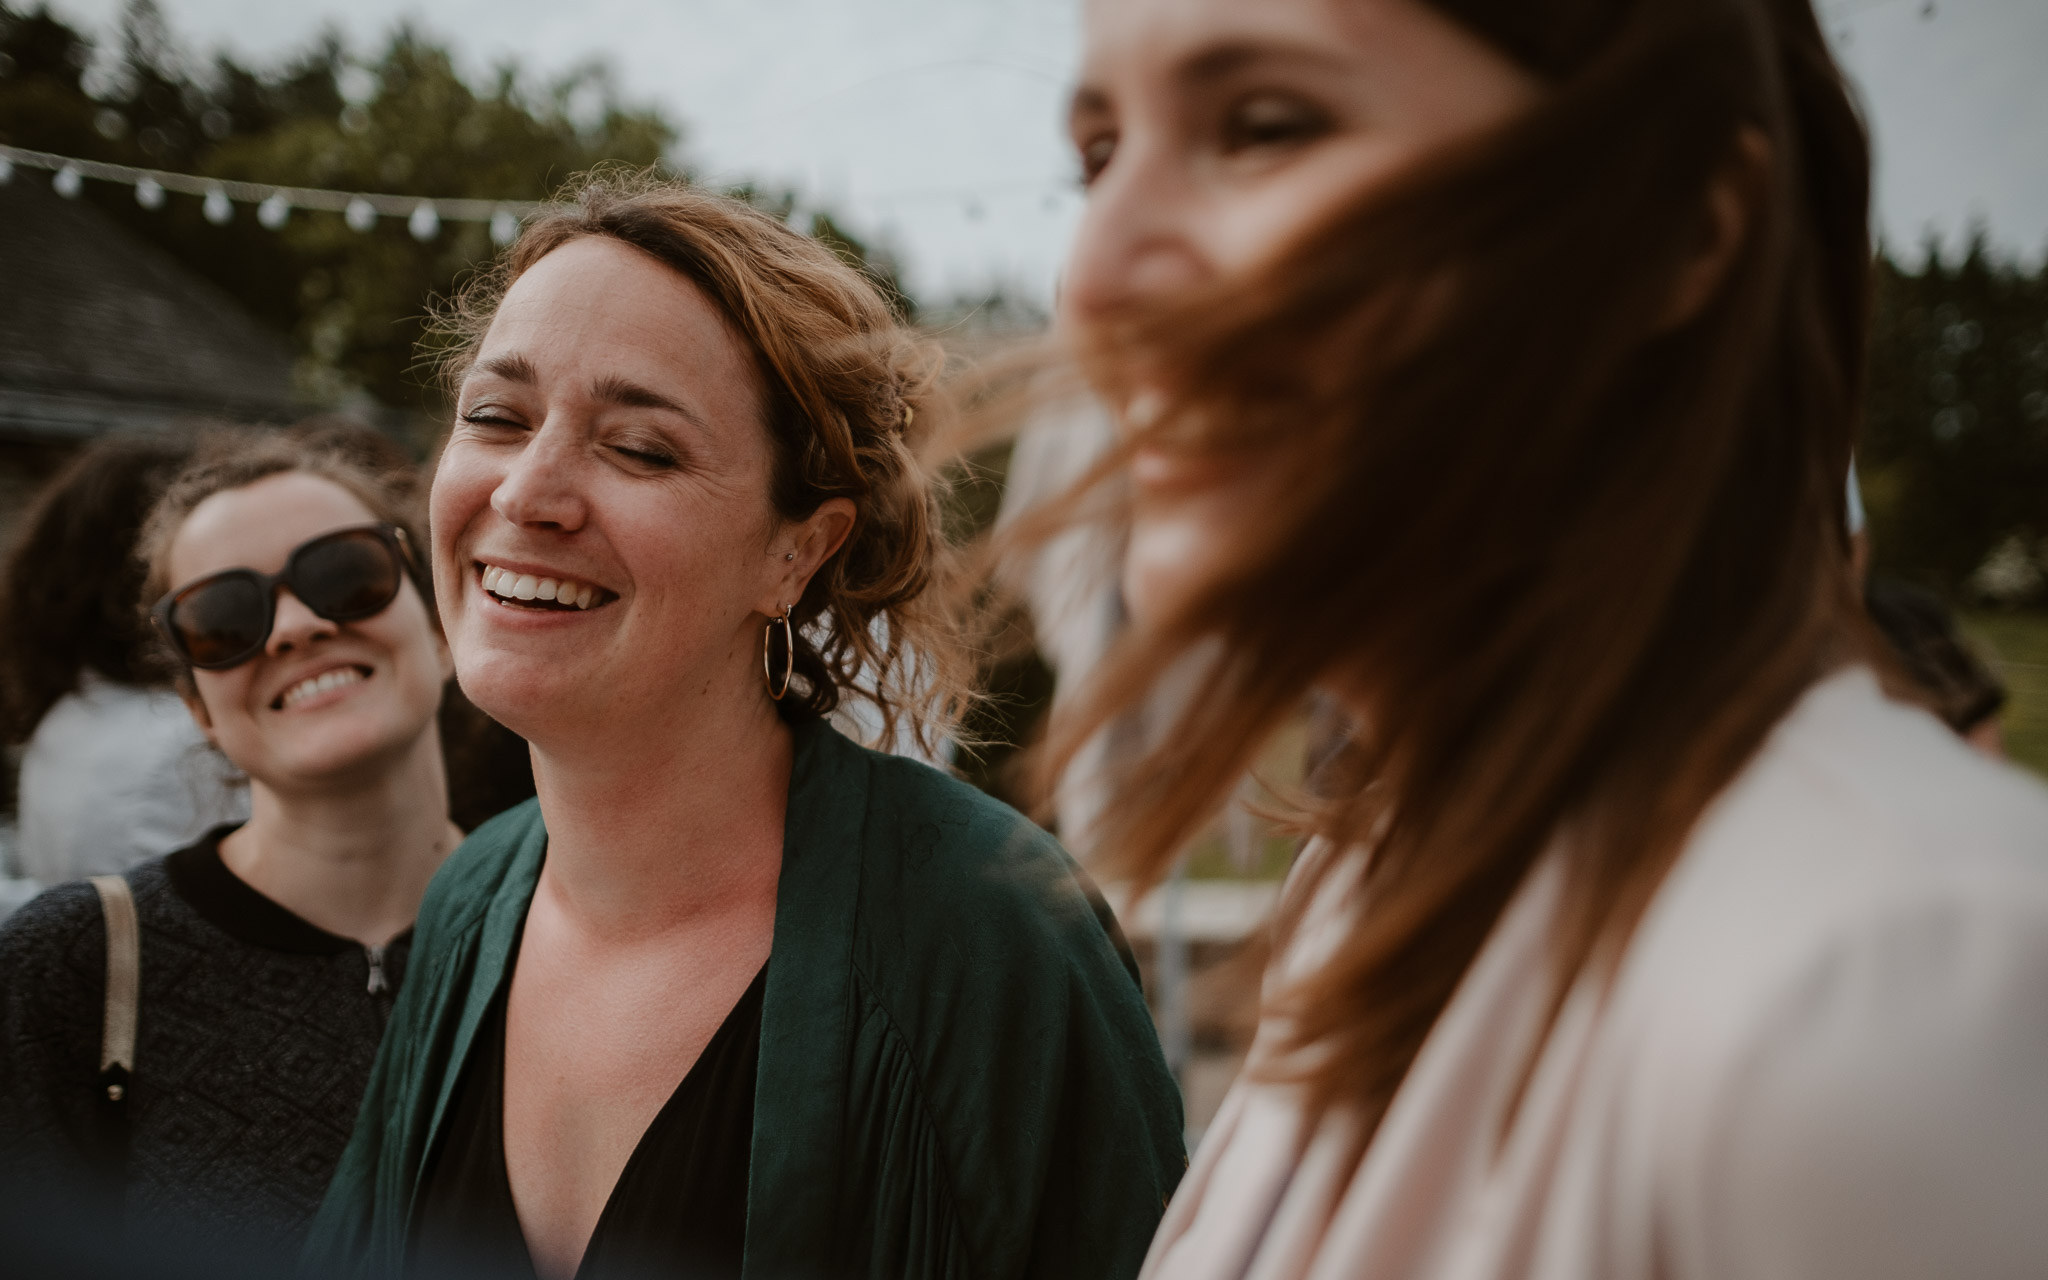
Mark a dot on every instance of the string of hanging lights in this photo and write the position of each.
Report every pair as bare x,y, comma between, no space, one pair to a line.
274,204
422,216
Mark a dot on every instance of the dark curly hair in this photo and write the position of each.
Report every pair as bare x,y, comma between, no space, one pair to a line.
72,579
850,397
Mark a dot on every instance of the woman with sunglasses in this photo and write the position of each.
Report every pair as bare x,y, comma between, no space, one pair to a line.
282,582
1493,367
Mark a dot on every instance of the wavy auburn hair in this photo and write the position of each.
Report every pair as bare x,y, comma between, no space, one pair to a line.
1575,557
850,396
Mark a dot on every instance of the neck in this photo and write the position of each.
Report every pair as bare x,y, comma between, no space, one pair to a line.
354,857
652,827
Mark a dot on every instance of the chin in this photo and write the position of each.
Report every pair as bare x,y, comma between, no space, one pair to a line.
1167,563
339,753
517,692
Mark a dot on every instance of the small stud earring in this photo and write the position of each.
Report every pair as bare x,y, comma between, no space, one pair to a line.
789,555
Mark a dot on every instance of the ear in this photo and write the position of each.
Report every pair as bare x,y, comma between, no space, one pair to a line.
799,549
1732,195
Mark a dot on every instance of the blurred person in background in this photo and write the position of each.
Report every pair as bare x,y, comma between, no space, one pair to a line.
114,770
304,643
735,993
1494,367
1958,685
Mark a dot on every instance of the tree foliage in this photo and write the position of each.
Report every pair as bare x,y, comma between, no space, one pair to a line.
1954,460
402,121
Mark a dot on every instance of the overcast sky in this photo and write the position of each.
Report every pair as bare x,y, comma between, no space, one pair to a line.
936,123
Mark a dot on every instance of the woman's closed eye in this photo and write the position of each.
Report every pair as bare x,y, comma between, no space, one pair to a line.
490,418
647,454
1271,121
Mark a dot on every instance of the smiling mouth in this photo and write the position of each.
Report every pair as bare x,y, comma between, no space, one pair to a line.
531,591
312,686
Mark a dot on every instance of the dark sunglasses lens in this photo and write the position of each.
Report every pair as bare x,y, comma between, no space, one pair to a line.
346,576
220,622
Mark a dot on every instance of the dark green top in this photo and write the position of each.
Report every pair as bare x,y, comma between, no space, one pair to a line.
958,1077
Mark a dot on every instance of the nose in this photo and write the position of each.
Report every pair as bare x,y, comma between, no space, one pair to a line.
540,487
295,627
1134,244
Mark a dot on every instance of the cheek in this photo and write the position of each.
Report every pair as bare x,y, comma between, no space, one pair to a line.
1260,220
695,549
224,715
461,491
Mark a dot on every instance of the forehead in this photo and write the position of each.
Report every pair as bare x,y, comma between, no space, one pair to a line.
596,308
257,525
1198,36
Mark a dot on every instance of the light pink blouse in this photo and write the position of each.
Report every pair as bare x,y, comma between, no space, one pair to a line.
1825,1054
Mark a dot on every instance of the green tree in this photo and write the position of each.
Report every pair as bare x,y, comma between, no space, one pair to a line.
1954,458
409,125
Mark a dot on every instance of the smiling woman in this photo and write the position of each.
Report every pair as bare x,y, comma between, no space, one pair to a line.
734,995
304,644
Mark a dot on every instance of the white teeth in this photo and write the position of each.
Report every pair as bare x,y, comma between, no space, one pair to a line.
319,684
507,585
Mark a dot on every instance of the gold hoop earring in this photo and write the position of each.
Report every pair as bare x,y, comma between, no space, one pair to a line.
788,654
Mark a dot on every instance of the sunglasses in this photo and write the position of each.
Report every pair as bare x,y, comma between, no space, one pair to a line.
224,619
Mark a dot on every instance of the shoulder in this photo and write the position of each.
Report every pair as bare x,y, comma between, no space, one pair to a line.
1860,821
53,923
53,952
1832,1012
67,920
947,862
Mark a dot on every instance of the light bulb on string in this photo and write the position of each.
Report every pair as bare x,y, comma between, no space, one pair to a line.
67,183
424,223
273,211
149,193
217,207
504,227
360,215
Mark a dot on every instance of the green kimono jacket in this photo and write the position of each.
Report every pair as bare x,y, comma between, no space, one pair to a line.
958,1076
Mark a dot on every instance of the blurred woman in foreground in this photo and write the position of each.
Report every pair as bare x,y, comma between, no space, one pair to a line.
735,993
1495,366
269,952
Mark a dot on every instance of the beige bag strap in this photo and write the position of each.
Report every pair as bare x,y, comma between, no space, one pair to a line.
124,985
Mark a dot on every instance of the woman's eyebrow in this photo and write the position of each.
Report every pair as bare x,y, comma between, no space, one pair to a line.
1233,57
512,368
614,389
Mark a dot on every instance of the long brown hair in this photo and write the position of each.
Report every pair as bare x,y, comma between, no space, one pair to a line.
1575,557
850,394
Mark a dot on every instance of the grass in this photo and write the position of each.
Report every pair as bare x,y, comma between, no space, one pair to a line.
2017,646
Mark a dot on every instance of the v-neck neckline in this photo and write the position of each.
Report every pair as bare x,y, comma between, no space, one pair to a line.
701,1135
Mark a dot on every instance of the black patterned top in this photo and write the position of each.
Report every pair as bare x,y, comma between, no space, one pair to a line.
255,1039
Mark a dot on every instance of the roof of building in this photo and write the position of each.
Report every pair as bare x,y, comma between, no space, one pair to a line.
100,331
